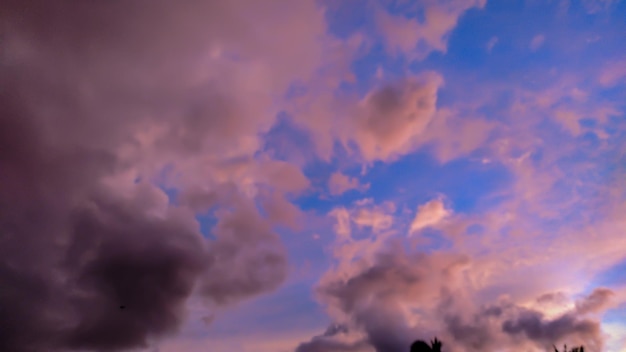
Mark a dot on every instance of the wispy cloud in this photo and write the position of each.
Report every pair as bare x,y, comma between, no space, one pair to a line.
537,42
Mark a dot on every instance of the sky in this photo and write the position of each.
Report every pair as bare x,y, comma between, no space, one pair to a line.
312,175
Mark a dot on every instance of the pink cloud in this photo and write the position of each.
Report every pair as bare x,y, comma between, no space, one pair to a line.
613,73
409,36
390,121
339,183
455,134
492,43
537,42
429,214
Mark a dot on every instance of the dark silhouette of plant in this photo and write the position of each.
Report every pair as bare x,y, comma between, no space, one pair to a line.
574,349
435,346
421,346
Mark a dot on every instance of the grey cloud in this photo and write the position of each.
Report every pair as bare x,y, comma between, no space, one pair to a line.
474,335
544,331
596,301
325,342
133,276
506,323
320,344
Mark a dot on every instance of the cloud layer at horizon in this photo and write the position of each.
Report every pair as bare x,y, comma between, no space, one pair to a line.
312,176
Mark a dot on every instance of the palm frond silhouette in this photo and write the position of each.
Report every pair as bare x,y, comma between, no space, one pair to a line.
421,346
574,349
435,346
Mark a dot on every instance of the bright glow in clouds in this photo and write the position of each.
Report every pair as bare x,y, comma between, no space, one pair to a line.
312,175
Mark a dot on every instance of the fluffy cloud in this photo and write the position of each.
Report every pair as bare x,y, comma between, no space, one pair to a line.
390,121
429,214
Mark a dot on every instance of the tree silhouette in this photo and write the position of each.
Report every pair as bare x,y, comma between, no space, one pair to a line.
421,346
435,346
574,349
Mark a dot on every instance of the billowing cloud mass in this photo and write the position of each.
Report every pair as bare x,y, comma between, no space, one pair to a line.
385,296
103,107
312,175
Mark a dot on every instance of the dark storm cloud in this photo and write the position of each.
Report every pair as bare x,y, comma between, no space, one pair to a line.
135,274
85,264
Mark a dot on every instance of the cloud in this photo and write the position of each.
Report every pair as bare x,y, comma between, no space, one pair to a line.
285,176
416,38
104,106
455,134
390,121
372,298
252,268
122,125
280,211
491,43
402,116
387,294
533,326
537,42
378,300
597,301
429,214
375,219
594,6
339,183
337,338
569,120
365,215
319,344
613,73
